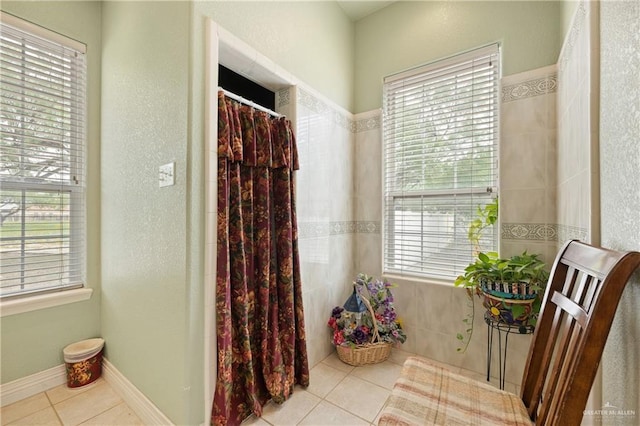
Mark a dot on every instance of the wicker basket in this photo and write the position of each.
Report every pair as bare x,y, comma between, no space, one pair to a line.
368,353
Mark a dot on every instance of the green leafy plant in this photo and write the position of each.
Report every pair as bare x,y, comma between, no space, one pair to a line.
487,216
489,267
519,277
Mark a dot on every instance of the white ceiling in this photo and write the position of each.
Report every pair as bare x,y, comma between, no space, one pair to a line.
357,9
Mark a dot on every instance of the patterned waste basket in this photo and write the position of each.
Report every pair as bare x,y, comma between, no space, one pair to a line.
83,361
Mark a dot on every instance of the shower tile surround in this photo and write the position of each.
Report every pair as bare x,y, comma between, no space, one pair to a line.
527,164
329,235
528,125
325,204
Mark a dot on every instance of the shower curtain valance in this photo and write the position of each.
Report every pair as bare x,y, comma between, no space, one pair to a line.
253,137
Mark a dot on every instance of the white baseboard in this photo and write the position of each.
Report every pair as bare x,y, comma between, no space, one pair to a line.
48,379
31,385
136,400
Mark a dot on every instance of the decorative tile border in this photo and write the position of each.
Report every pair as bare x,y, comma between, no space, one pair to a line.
529,231
367,124
341,118
509,231
325,229
368,227
542,232
528,89
284,97
312,229
320,107
566,233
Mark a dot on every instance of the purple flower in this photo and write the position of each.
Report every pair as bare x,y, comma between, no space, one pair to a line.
336,312
359,336
389,315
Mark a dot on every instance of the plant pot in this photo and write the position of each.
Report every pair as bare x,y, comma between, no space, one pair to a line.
508,290
502,309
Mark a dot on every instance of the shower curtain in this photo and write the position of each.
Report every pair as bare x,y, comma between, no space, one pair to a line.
260,321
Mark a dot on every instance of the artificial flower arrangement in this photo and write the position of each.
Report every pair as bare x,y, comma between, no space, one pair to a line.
355,327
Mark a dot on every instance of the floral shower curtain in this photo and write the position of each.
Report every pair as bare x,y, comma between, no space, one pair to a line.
260,321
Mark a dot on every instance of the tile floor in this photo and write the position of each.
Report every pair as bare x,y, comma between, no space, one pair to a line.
339,394
94,404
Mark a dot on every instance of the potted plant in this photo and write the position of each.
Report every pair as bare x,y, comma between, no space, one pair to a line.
510,288
366,327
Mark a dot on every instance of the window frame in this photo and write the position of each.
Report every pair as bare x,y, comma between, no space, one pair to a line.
61,292
483,192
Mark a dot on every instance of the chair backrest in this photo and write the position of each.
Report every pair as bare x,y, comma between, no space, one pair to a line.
579,304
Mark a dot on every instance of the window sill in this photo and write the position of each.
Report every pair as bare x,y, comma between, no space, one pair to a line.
397,278
42,301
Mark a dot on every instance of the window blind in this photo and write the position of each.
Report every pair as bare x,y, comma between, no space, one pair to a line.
42,166
440,131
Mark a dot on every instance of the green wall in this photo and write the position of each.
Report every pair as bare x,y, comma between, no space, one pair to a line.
313,40
568,8
32,342
147,248
411,33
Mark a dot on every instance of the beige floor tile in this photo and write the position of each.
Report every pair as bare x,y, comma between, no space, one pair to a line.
62,392
398,356
293,410
254,421
449,367
383,374
86,405
481,377
120,415
23,408
333,361
326,414
377,420
45,416
359,397
323,378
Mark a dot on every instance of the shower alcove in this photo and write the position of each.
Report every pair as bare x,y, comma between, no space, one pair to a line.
223,48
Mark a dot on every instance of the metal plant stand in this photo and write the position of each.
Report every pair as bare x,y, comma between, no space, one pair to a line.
503,329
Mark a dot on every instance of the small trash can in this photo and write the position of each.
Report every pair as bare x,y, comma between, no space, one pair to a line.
83,361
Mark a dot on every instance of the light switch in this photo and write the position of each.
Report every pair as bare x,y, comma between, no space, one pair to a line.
167,175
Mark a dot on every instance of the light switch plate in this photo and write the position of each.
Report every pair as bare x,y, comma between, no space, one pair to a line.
166,175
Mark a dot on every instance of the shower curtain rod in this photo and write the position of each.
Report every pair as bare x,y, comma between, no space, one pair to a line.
248,102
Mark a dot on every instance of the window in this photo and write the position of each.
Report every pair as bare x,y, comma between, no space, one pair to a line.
440,126
42,185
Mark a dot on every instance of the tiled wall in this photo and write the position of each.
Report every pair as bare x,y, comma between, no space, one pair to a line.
528,163
577,113
325,203
432,313
368,192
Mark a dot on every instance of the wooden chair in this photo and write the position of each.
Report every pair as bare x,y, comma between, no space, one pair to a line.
579,304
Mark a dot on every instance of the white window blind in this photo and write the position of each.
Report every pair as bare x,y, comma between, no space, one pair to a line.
42,151
441,130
